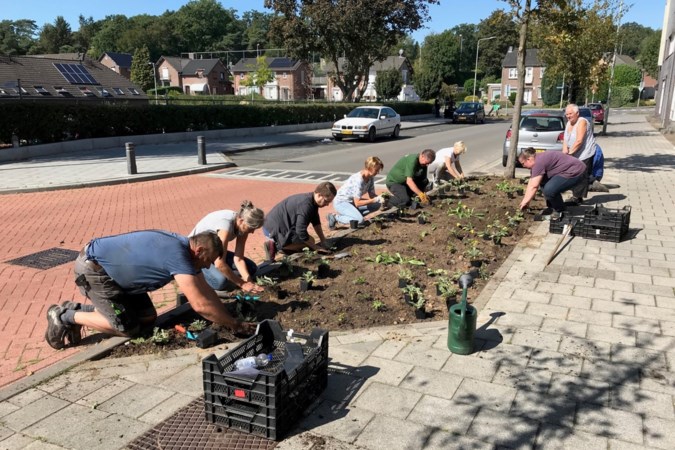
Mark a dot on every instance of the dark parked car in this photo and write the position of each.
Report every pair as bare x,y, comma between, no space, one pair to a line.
469,112
542,129
598,112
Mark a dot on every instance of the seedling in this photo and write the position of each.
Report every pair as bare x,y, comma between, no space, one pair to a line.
360,280
436,272
446,287
265,281
160,336
473,253
197,325
308,276
286,268
405,274
308,254
378,305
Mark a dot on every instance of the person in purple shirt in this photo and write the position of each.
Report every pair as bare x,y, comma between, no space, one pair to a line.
555,172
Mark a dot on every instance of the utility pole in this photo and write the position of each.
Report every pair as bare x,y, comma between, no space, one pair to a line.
611,73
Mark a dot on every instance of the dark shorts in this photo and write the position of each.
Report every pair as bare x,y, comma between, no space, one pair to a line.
123,310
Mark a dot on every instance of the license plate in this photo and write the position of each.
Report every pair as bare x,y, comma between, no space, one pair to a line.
461,118
539,150
346,131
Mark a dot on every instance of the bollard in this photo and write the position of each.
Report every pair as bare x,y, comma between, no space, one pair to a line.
462,322
131,158
201,150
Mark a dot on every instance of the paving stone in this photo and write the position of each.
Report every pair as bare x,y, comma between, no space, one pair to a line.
113,388
609,422
622,354
431,382
564,327
537,339
421,353
33,412
387,371
508,305
570,301
634,298
601,370
5,432
551,437
6,408
668,328
19,441
659,432
165,409
504,430
585,348
188,382
504,353
611,335
342,388
613,307
448,415
485,395
75,391
532,296
651,270
665,291
26,397
543,408
530,378
346,355
636,323
336,420
613,285
118,431
59,426
555,362
592,293
388,400
471,367
127,403
554,288
576,280
580,389
649,403
658,381
665,302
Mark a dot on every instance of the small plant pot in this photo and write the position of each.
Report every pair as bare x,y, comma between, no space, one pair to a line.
323,270
520,191
402,282
421,220
487,237
438,291
476,191
353,224
510,195
450,301
408,300
420,313
384,204
305,285
379,225
414,205
285,272
476,262
281,294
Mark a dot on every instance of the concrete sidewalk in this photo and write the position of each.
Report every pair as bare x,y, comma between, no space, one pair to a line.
109,166
575,355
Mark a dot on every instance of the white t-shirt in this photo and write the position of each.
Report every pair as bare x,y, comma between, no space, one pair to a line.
217,220
440,158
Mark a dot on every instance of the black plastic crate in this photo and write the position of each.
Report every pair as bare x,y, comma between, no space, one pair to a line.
557,226
269,404
606,224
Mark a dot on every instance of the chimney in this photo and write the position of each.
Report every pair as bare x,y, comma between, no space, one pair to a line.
510,48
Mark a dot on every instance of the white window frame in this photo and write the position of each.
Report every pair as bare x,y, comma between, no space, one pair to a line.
513,73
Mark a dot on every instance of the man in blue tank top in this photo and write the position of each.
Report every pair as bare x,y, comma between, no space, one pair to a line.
117,272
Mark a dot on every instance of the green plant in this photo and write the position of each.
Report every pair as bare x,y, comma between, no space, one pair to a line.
286,266
308,276
265,281
160,336
360,280
446,287
378,305
451,248
473,253
308,255
341,317
505,186
412,291
405,274
436,272
424,234
197,325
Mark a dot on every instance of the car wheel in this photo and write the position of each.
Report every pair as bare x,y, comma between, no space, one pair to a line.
505,159
475,119
372,134
397,131
482,119
338,138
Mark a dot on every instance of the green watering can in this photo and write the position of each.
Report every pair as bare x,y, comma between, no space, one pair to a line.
462,321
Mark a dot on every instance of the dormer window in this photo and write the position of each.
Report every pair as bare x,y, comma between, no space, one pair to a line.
134,91
59,90
104,92
41,90
118,91
86,92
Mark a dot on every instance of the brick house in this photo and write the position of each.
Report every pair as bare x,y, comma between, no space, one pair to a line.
400,63
292,78
194,76
119,62
534,72
64,77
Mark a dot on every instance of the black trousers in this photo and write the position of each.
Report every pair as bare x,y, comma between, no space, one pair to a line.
401,193
581,189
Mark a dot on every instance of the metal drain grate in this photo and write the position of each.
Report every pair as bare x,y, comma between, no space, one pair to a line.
188,429
46,259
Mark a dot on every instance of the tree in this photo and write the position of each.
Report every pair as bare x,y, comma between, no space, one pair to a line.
259,75
256,27
83,36
107,37
625,75
410,47
427,85
649,53
501,25
142,73
388,83
631,35
440,55
53,37
361,32
201,24
466,33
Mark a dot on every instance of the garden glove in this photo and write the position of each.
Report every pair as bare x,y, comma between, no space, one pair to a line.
424,198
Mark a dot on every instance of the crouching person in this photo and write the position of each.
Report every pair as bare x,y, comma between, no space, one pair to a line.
117,272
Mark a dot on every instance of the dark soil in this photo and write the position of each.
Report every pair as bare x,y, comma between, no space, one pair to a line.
362,290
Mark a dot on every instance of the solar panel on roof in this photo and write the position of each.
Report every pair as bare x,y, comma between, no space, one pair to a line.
75,73
280,62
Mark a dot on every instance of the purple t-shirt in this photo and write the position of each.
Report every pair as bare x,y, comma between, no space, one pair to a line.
555,163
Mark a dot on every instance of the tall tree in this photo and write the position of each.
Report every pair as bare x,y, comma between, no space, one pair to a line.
466,33
388,84
361,32
256,26
142,73
440,56
501,25
108,36
631,35
649,53
55,36
83,36
202,24
17,36
410,47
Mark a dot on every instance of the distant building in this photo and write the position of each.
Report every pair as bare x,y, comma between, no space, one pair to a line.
119,62
400,63
63,77
194,76
292,78
534,73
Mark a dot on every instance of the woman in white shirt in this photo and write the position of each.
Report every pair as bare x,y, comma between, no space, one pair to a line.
446,166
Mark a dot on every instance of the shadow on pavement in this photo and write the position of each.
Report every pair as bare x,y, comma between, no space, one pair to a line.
642,163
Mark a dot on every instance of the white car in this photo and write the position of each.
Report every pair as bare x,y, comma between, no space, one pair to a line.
368,122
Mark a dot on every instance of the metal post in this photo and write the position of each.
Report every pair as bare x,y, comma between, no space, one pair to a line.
475,71
131,158
201,150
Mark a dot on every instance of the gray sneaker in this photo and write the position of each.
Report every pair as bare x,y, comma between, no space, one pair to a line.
75,334
331,221
57,331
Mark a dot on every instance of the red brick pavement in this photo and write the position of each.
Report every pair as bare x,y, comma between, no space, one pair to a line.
70,218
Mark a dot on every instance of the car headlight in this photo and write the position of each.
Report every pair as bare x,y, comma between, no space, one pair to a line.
360,127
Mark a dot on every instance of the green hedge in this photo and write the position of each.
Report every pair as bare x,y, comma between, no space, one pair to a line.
53,122
623,95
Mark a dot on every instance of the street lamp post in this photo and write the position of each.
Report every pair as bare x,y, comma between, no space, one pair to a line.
154,78
461,44
475,72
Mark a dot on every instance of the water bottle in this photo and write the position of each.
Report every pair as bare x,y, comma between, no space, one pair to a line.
254,362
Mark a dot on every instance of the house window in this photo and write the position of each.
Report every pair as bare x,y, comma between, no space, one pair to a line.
104,92
222,76
3,92
404,74
284,75
86,92
529,73
61,91
42,91
513,73
165,73
241,76
134,91
118,91
541,72
539,93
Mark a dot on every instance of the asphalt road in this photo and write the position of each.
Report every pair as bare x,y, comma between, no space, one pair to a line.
484,142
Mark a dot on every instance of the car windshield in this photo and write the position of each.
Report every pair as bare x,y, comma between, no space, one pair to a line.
541,123
367,113
469,106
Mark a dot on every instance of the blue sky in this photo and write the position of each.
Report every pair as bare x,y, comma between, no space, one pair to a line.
444,16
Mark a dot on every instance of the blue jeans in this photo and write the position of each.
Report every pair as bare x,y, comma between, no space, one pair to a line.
346,211
217,280
554,188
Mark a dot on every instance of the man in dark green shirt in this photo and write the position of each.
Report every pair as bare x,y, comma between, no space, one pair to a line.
408,177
